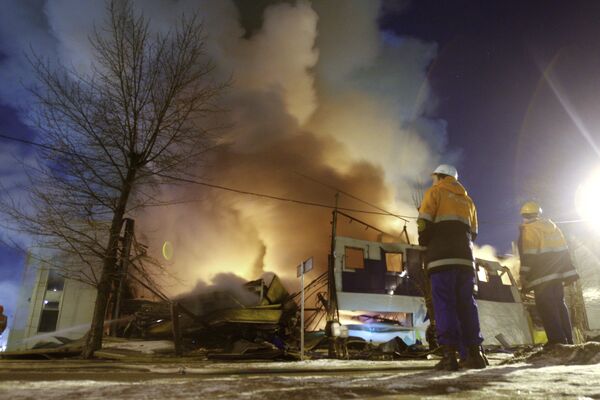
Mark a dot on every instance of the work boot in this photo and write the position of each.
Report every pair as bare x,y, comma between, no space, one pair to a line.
448,361
475,359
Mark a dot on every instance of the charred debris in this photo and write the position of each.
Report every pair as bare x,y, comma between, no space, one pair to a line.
259,320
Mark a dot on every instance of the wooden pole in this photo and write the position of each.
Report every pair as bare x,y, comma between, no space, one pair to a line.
302,316
332,312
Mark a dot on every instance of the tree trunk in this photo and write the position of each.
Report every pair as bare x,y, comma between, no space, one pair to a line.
93,340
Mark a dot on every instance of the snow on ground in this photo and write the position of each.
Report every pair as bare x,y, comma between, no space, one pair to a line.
319,379
142,346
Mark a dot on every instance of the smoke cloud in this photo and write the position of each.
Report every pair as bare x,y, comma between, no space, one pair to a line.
317,91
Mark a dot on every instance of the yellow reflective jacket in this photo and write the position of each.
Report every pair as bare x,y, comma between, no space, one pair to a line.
447,225
544,254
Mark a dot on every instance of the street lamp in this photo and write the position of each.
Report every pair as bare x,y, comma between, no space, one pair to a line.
587,198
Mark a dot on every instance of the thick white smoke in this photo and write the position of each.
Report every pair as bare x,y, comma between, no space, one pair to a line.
318,89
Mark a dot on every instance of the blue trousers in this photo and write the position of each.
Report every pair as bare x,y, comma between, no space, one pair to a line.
550,303
456,316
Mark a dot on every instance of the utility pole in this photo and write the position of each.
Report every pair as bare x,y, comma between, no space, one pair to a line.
127,240
302,316
302,269
332,311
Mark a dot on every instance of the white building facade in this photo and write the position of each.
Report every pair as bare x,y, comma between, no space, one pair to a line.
50,306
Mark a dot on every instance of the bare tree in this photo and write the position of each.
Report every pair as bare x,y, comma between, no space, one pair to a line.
111,135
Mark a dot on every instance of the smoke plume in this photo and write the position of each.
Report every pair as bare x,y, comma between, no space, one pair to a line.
317,92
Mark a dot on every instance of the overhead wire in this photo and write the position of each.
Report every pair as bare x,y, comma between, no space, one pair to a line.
47,147
381,211
402,217
272,197
211,185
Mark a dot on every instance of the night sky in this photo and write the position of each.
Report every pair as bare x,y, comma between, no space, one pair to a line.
515,138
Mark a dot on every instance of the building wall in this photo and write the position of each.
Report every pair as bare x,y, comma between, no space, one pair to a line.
74,303
77,309
20,326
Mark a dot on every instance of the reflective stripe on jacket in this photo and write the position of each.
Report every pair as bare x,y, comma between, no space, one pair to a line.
544,254
447,224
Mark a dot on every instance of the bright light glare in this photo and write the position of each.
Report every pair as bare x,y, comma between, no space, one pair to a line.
587,196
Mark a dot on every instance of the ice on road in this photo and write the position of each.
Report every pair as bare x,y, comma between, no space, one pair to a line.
539,377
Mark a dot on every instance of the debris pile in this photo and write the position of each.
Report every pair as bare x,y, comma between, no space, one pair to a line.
257,320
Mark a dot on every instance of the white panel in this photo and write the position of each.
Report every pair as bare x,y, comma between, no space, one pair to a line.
592,311
76,309
374,251
379,302
510,319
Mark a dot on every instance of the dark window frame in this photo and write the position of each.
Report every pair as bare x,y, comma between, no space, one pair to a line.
352,248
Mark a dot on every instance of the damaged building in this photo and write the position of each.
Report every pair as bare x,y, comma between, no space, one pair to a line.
370,294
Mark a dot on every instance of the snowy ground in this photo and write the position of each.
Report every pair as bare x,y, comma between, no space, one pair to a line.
322,379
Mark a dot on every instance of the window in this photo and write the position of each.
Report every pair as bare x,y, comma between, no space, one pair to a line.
55,281
505,278
50,305
393,262
481,274
355,258
49,316
48,321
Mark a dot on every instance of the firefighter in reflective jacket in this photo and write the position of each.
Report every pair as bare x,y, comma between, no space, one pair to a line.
545,266
447,226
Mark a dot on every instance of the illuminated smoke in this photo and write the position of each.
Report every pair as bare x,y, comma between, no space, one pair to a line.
316,89
511,261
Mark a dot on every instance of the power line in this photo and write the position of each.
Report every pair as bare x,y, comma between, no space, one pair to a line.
47,147
272,197
402,217
382,212
214,186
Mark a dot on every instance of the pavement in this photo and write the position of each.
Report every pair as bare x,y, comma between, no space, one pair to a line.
183,378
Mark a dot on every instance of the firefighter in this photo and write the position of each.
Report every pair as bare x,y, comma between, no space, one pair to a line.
545,266
447,225
3,320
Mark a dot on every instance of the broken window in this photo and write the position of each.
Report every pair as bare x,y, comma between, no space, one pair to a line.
393,262
49,317
505,278
355,258
482,274
55,281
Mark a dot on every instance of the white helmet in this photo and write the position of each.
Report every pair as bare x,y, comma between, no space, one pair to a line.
446,169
